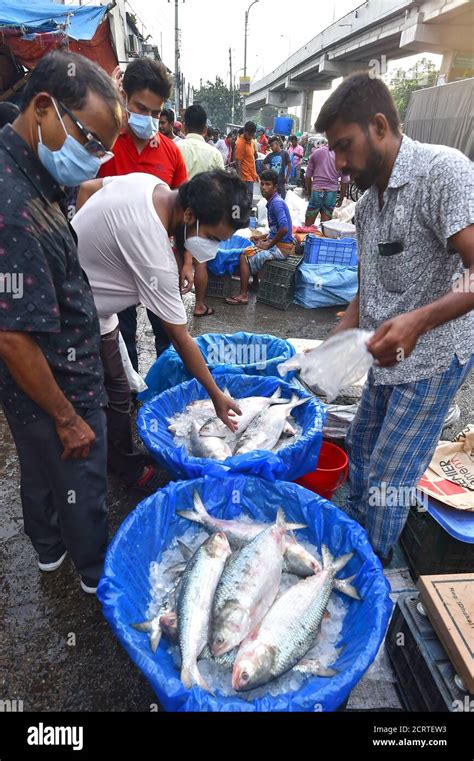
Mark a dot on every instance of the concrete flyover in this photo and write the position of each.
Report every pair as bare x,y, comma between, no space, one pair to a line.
367,38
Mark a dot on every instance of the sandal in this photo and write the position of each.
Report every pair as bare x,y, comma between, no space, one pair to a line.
209,311
235,301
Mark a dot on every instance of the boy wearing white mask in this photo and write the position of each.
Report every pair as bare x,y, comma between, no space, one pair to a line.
123,227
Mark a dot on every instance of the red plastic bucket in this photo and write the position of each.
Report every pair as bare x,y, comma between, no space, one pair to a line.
330,473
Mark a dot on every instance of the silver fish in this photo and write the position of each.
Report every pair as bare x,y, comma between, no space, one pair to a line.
265,430
251,406
289,629
297,560
194,604
212,447
247,587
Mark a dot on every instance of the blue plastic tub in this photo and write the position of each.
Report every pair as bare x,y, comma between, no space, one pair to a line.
124,589
289,463
247,353
328,251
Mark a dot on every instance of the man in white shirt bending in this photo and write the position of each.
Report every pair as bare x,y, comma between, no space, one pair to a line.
124,227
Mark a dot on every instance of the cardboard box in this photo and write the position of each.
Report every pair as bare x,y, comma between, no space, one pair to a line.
449,604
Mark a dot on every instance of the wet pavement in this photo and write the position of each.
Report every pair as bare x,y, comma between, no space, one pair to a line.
56,650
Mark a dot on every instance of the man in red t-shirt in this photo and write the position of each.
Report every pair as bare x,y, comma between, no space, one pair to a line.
140,148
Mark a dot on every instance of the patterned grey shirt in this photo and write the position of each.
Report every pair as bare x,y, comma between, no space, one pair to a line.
429,197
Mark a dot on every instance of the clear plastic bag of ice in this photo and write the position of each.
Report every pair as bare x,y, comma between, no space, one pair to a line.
334,365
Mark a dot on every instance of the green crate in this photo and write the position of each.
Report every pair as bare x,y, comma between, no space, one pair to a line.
431,550
218,286
277,282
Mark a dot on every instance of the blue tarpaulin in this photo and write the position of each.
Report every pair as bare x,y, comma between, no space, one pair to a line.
78,21
325,285
124,589
292,461
245,353
228,255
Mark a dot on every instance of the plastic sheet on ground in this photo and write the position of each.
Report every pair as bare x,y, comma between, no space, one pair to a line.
246,353
124,589
294,460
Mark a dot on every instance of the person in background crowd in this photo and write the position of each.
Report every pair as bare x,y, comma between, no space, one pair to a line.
166,123
279,161
262,141
220,145
230,143
178,130
322,180
245,156
278,244
296,153
51,377
415,234
146,86
199,156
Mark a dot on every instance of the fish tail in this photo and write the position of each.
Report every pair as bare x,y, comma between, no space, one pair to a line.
295,401
342,561
276,397
190,515
346,587
154,632
280,519
143,626
190,675
155,639
199,514
295,526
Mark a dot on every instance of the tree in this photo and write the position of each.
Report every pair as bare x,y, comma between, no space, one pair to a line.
216,99
423,74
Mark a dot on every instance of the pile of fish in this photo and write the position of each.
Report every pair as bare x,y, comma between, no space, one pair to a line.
228,604
263,424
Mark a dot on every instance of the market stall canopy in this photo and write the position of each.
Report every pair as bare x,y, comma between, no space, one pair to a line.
31,30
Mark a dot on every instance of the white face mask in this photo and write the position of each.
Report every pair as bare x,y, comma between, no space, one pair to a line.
201,249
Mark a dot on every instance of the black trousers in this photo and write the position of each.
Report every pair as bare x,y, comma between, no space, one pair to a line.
122,456
128,329
63,501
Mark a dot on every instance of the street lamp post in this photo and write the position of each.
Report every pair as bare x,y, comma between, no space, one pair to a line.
244,109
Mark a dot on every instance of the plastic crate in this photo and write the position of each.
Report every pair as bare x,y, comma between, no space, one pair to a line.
218,286
427,680
330,251
431,550
277,282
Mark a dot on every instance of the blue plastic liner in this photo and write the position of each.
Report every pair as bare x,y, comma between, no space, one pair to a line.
228,255
289,463
247,353
324,285
124,589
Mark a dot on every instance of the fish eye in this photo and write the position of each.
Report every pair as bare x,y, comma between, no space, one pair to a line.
244,676
219,640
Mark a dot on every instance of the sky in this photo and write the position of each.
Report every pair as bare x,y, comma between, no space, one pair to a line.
208,30
276,29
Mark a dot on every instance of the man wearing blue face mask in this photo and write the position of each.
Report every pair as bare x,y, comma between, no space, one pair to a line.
51,379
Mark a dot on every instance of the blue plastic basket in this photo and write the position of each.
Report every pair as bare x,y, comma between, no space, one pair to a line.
124,588
328,251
